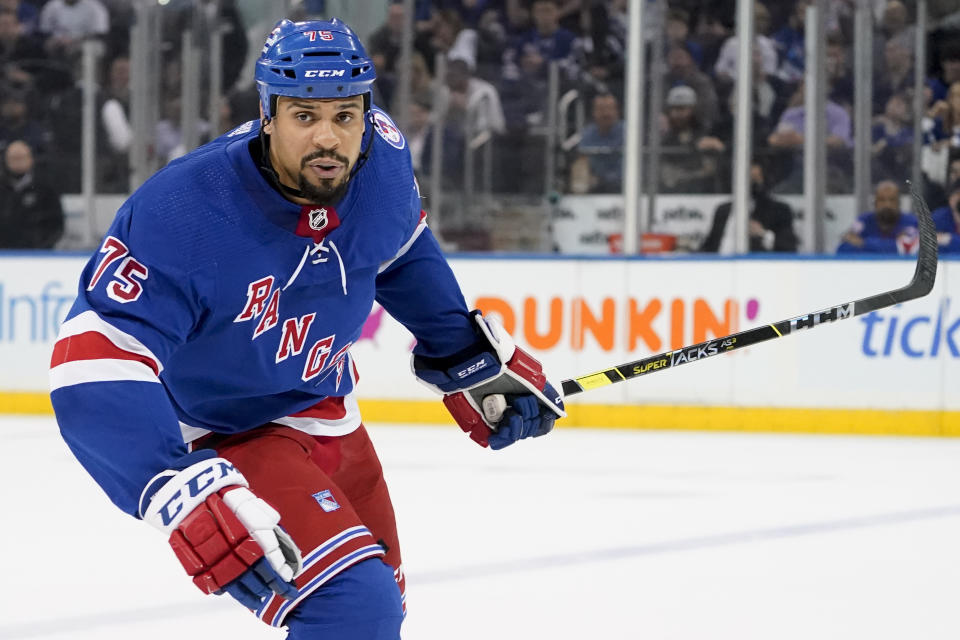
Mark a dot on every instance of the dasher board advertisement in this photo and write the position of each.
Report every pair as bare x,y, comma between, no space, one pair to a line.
580,316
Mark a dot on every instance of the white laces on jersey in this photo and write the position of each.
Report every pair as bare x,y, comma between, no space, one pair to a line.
321,252
296,271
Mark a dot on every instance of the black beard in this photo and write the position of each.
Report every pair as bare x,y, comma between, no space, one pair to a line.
324,194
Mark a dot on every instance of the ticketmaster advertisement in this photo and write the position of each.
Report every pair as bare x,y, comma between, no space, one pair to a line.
581,316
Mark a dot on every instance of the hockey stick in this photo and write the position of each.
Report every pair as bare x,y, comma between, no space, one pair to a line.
919,286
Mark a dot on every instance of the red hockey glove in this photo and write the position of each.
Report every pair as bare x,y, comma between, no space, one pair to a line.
225,537
494,370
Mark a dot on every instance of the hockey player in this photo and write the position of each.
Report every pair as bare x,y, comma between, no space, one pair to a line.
203,376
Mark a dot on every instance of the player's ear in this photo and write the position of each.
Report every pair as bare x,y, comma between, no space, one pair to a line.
266,125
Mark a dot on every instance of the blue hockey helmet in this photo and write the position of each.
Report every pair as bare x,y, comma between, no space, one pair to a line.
313,59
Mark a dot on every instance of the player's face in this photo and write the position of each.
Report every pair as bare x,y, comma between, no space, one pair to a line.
314,143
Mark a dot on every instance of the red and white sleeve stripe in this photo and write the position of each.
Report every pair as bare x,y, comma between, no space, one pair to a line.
91,350
409,243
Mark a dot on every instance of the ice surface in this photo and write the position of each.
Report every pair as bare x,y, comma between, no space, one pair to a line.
582,534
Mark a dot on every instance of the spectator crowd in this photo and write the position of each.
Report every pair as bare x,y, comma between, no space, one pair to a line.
483,67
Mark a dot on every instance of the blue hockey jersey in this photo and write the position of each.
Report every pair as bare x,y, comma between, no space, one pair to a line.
948,232
216,304
903,239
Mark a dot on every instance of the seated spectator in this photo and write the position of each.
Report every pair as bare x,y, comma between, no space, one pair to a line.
713,28
417,130
941,136
470,102
790,44
420,80
384,49
446,36
886,229
892,137
516,18
31,216
113,164
385,42
840,14
553,42
239,106
895,25
788,137
519,167
597,57
684,167
491,41
953,168
725,68
946,219
839,74
66,23
943,129
26,12
767,106
229,19
419,133
600,149
678,33
895,75
471,12
771,221
168,141
16,124
19,52
681,71
524,96
950,64
935,192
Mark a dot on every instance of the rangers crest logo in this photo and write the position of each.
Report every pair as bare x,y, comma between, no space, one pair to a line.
318,218
246,127
387,130
326,500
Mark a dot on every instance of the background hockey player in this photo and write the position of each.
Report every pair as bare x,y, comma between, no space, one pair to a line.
203,376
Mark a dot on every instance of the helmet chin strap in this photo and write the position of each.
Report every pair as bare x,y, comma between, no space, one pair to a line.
366,151
266,167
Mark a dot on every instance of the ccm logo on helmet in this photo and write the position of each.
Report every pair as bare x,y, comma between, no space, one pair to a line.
323,73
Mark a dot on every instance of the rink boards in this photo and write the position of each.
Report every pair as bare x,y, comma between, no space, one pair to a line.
887,372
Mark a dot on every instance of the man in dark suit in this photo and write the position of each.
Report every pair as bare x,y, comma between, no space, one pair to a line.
30,213
771,221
